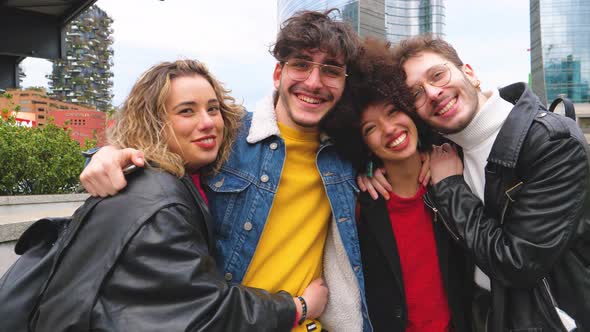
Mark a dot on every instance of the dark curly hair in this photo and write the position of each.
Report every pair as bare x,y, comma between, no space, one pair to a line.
307,30
374,78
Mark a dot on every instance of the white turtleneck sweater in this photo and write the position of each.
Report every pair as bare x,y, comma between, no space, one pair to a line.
477,140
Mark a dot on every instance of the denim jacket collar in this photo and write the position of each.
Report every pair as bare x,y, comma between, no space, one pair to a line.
264,123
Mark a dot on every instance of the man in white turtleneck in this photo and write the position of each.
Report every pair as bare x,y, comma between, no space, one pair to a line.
462,113
518,201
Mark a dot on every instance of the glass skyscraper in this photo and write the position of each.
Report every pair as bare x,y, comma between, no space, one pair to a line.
560,49
387,19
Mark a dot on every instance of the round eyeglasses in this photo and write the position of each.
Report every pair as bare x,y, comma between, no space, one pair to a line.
438,76
331,75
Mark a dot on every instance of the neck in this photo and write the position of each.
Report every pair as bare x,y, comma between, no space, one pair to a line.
402,175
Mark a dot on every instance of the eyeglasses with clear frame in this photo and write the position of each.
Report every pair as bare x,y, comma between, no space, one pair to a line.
331,75
437,76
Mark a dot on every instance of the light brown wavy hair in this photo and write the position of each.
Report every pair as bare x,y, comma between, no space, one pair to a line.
413,46
142,121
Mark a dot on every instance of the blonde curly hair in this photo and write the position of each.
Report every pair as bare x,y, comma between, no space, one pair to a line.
141,122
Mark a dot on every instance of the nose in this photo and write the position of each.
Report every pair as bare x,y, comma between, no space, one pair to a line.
387,127
314,81
205,122
432,92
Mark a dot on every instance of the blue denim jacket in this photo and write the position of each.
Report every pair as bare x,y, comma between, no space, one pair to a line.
241,196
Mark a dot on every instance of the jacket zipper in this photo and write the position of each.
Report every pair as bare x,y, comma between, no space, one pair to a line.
546,284
429,204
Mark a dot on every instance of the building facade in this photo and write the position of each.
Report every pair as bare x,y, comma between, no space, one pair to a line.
560,53
393,20
85,76
560,49
33,108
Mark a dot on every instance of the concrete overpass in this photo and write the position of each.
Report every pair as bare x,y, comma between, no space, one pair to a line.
33,28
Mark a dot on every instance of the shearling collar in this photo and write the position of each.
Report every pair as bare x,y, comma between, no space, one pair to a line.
264,122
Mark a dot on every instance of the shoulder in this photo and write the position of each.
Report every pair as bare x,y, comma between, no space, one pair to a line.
555,125
554,142
147,191
554,131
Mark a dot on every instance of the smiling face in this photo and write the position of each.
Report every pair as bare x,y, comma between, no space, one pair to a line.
390,134
302,104
195,130
449,108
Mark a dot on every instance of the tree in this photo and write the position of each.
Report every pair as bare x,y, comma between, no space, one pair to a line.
40,160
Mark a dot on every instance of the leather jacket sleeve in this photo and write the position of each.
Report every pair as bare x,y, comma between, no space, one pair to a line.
166,280
542,222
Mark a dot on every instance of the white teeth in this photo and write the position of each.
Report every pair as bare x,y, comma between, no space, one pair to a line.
309,99
398,140
447,107
207,140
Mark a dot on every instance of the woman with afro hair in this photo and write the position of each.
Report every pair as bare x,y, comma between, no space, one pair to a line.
416,277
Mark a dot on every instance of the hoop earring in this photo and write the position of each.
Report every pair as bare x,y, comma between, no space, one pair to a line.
477,85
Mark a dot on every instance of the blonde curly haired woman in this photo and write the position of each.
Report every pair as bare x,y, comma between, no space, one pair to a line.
143,260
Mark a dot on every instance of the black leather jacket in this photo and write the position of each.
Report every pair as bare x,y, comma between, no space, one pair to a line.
384,284
143,262
532,236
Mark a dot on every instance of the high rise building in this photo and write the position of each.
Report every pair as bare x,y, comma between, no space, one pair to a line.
85,76
560,49
393,20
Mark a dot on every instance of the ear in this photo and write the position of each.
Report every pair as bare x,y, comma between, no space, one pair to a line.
276,75
468,70
470,74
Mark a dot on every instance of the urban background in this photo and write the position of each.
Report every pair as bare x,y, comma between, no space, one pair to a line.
66,67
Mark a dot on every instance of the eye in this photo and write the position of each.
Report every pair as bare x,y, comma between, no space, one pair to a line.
368,129
214,109
438,75
299,64
332,71
417,92
392,112
185,111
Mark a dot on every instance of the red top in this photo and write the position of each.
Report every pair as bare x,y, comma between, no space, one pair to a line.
197,181
428,309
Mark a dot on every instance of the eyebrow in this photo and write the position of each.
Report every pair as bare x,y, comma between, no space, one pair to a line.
302,56
185,103
192,103
331,62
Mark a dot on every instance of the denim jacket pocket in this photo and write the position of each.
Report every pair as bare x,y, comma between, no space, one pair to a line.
229,189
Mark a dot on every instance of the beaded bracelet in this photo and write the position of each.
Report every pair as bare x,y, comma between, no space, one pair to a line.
303,310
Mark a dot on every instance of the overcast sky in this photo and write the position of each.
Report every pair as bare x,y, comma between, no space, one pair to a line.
233,38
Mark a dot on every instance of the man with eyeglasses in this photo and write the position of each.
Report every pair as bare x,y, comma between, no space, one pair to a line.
519,199
284,202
